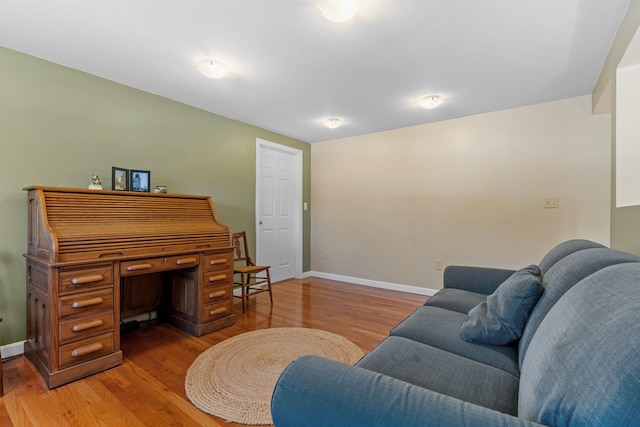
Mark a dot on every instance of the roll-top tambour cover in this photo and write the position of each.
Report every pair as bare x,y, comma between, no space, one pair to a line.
74,224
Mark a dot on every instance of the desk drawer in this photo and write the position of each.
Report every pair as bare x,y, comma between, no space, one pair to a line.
212,278
151,265
86,302
85,350
211,312
85,278
83,327
214,294
213,262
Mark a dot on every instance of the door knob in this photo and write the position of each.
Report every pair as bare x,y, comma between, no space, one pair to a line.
260,222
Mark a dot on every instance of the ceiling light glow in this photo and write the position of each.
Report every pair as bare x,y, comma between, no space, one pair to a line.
213,69
338,10
332,122
430,101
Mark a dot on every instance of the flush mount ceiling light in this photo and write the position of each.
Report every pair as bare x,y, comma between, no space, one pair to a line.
332,122
338,10
213,69
430,101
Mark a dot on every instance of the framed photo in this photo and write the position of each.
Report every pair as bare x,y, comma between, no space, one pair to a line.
139,180
119,179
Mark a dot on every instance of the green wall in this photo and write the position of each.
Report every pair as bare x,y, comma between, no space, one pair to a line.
59,126
625,222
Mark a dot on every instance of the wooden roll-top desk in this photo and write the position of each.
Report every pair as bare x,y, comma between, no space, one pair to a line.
84,245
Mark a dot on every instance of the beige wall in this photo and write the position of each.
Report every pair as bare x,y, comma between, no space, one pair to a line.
466,191
625,221
58,126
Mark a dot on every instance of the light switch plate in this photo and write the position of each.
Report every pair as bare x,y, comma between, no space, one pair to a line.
550,202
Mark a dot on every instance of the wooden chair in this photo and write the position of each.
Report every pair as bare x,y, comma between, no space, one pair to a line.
254,279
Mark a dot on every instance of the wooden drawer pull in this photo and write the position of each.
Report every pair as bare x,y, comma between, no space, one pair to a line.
217,311
186,261
87,349
138,267
217,277
87,302
217,294
218,261
87,279
87,325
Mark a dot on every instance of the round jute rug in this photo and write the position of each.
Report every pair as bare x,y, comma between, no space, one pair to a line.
234,380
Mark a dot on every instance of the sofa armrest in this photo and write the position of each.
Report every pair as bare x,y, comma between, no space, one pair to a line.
313,391
475,279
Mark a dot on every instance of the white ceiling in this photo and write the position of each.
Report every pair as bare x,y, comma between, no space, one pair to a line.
290,68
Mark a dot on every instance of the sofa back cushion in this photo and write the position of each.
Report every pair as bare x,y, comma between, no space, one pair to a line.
564,249
561,277
582,367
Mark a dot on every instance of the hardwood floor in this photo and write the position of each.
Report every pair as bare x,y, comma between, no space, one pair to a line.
148,388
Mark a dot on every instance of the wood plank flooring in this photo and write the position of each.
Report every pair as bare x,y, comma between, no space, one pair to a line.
148,389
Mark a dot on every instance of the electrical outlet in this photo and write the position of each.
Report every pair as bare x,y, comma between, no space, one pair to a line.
438,264
550,203
325,254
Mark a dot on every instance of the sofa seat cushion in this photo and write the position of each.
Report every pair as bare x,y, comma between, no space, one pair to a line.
443,372
440,328
456,300
582,367
502,317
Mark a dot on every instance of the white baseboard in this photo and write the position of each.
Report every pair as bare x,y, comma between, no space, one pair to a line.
13,349
375,283
304,275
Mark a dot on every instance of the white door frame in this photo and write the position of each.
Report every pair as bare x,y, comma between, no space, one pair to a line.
296,207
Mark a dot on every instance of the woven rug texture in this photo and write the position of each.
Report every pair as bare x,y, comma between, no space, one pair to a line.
234,380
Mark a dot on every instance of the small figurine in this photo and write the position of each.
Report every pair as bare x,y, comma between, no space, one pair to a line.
96,183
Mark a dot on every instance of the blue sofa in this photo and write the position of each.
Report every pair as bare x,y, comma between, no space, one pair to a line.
576,361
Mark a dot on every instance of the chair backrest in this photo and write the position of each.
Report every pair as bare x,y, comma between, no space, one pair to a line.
240,248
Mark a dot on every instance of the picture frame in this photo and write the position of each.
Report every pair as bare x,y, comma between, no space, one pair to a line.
119,179
140,180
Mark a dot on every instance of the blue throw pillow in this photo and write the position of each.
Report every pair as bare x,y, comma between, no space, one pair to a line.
502,318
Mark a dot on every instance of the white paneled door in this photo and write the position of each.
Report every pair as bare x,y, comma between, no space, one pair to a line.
278,209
